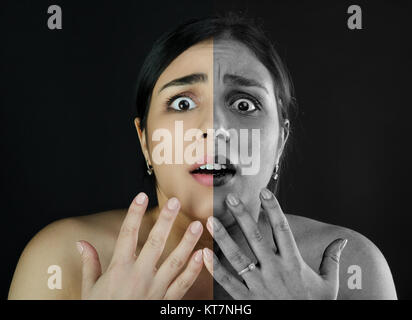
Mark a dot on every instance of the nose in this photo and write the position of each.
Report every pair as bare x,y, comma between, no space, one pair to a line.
220,124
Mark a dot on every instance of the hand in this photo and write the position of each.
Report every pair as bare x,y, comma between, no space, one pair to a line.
281,272
132,277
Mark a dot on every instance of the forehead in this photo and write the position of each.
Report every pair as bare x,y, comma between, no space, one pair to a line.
196,59
217,58
233,57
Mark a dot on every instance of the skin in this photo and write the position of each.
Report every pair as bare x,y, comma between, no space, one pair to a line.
251,227
125,253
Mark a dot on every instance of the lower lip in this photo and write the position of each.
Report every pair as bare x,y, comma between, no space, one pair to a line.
209,180
222,180
204,179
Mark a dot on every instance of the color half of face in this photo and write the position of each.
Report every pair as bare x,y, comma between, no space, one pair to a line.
181,112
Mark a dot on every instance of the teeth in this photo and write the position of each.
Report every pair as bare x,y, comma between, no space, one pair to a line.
214,166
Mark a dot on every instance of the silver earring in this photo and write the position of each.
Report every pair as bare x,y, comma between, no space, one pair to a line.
149,168
275,175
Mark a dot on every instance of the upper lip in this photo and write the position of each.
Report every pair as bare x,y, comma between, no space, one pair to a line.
201,162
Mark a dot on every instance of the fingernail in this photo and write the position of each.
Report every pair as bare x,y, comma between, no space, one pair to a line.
343,244
141,198
195,227
209,224
198,256
172,203
266,194
232,200
207,253
79,247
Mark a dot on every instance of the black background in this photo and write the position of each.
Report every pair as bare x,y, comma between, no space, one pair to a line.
69,147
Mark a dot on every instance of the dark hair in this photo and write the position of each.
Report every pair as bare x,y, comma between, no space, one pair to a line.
230,26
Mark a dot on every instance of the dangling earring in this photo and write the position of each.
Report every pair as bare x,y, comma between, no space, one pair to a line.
149,168
275,175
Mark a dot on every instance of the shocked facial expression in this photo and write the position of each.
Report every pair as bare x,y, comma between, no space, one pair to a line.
222,90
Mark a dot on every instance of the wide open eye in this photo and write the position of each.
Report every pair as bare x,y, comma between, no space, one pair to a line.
182,104
245,105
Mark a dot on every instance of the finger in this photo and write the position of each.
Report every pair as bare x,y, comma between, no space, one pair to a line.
258,243
230,249
91,268
208,259
177,259
153,248
329,267
266,229
233,286
126,243
185,280
284,238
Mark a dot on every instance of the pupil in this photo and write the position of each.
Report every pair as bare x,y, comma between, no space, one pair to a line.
184,105
243,106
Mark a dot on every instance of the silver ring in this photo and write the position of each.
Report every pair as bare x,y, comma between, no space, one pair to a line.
250,267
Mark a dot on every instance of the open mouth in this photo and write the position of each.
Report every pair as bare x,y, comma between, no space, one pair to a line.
214,174
216,169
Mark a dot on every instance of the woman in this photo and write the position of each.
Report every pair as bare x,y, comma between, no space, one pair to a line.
218,76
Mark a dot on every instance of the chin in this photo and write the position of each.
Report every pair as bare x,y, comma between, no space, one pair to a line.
200,203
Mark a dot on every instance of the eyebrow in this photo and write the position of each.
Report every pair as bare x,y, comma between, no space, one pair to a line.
242,81
189,79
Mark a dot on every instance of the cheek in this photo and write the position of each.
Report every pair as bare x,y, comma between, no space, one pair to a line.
174,180
268,147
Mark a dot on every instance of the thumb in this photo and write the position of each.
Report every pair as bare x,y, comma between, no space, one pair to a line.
329,268
91,268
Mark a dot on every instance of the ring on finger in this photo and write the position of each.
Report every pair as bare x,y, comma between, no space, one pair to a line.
250,267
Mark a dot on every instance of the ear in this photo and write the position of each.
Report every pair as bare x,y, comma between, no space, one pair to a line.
142,139
283,137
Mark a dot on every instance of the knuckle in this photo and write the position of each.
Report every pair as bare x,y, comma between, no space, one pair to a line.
219,233
175,262
334,257
272,203
224,278
128,230
182,283
155,242
283,225
257,235
237,257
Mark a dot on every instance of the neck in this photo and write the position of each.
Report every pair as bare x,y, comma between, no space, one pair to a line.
179,228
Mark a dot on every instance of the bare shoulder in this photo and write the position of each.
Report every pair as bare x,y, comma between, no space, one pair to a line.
51,255
364,271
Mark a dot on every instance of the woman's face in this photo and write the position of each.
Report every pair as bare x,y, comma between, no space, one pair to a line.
214,85
244,98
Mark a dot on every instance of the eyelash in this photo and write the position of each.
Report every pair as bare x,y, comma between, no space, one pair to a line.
170,100
242,95
237,96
